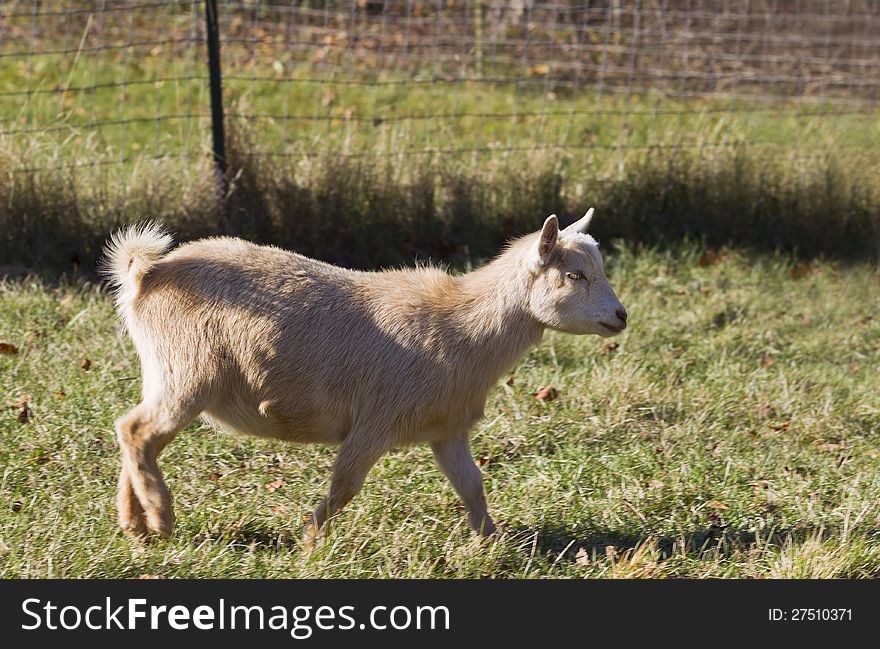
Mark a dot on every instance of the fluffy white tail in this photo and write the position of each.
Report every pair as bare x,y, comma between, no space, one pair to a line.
130,254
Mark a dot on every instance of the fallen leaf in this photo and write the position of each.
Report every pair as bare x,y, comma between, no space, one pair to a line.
714,504
41,456
510,380
24,413
17,506
801,270
831,446
582,558
709,258
85,364
484,460
21,403
610,347
538,70
60,394
548,393
213,476
275,484
785,425
8,348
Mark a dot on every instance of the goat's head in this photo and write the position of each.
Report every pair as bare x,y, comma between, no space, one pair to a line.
569,291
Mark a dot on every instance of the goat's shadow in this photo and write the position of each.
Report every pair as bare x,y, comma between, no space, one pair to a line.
566,543
253,533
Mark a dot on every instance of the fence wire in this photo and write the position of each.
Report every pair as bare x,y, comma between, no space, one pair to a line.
103,83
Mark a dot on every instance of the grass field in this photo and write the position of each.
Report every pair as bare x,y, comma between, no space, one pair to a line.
735,432
468,124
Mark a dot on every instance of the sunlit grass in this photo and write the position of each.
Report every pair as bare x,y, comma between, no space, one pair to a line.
735,432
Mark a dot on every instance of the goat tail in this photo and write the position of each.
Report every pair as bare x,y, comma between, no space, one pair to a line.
130,254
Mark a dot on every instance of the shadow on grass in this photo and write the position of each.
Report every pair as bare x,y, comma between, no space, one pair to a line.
724,541
365,214
554,539
259,534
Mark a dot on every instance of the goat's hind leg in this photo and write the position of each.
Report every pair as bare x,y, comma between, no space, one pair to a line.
143,433
130,512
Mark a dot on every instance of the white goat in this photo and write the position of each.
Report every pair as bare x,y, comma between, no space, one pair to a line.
271,343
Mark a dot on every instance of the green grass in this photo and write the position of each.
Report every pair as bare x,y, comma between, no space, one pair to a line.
735,432
468,122
349,180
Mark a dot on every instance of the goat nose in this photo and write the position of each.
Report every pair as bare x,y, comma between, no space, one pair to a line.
621,313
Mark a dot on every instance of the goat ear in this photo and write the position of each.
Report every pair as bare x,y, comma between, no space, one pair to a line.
580,225
546,243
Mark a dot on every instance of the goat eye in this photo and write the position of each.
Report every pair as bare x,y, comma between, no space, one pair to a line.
575,276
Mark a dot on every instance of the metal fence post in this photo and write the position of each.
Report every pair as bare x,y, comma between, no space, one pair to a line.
216,80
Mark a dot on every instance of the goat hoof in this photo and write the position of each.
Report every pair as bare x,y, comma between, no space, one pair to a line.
312,536
484,528
161,525
135,528
486,535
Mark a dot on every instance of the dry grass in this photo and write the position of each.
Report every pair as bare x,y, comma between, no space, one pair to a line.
356,213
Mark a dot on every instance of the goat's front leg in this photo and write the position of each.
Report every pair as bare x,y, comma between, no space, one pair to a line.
455,459
358,454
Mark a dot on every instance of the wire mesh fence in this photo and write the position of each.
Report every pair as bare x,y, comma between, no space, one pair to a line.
103,83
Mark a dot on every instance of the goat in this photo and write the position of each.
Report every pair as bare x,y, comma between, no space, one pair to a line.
271,343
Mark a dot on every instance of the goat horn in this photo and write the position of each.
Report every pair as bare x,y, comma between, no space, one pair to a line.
580,225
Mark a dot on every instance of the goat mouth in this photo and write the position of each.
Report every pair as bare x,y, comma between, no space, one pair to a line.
614,328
